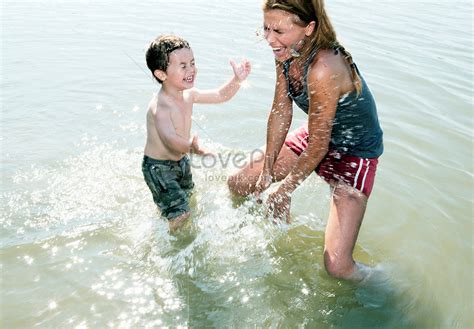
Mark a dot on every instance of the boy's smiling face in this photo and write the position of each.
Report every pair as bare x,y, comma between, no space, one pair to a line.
181,71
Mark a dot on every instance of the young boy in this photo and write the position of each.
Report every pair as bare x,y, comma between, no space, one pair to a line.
166,166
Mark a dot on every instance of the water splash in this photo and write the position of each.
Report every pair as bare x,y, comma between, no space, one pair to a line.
93,215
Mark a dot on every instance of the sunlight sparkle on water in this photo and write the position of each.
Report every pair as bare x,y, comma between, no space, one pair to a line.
28,259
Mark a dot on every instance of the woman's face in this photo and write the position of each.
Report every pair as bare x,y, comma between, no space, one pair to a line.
282,33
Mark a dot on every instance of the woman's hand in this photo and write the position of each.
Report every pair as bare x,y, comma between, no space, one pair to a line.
264,181
279,203
242,70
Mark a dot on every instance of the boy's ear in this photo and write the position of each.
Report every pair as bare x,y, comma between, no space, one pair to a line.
160,74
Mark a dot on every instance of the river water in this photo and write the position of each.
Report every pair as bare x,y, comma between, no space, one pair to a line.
81,244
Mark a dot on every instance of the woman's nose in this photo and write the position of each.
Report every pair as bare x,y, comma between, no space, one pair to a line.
269,36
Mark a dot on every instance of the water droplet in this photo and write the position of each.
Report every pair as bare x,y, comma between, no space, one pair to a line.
28,259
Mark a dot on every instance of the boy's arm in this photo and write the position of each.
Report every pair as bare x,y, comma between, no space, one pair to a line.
168,134
227,90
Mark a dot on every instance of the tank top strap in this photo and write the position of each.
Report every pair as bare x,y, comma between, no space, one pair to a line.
310,58
338,47
286,67
307,63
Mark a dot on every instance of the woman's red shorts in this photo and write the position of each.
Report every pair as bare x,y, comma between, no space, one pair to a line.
335,166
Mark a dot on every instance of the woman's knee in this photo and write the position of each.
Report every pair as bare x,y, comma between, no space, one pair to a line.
346,194
240,184
233,183
243,182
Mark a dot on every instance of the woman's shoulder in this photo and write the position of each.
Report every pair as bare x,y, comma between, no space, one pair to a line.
324,63
327,63
327,58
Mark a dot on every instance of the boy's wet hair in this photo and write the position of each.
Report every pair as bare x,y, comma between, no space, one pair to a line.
157,54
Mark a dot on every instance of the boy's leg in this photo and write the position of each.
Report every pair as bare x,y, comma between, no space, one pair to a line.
177,203
178,222
152,181
178,210
181,193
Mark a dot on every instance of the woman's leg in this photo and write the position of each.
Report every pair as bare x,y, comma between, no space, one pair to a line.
243,182
345,217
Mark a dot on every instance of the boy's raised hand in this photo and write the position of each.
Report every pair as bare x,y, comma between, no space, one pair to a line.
241,70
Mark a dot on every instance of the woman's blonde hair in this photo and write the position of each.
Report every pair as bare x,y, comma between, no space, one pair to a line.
323,36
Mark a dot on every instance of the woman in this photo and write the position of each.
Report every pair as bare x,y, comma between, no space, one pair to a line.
342,139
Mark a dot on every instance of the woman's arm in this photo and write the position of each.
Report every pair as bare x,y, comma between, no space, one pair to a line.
279,122
324,92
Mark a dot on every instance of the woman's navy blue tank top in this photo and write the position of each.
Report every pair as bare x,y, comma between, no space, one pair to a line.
356,129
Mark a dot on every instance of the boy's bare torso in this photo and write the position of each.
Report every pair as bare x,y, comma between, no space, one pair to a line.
179,112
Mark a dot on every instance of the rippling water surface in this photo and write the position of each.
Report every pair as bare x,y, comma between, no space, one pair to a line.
81,245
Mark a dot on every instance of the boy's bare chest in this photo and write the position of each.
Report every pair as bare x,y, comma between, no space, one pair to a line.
181,119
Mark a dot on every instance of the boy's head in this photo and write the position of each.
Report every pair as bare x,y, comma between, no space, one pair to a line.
157,54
